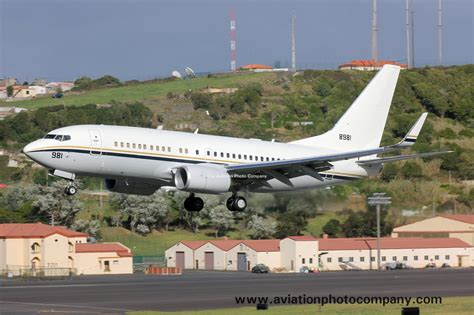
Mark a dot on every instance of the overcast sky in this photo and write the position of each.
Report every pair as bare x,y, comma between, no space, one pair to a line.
142,39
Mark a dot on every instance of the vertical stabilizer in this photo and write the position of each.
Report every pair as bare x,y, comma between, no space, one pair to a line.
362,125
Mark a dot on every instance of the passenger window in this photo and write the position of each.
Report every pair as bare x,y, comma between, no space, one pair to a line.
208,153
151,147
134,145
115,144
268,159
233,155
197,152
250,157
186,151
157,148
144,147
273,159
245,156
121,144
240,157
180,150
228,155
128,145
169,149
139,146
163,149
222,154
215,154
261,158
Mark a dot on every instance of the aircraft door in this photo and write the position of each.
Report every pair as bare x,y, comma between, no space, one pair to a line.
96,142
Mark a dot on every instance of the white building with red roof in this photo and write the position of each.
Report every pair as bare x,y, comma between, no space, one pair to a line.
37,248
369,65
296,253
459,226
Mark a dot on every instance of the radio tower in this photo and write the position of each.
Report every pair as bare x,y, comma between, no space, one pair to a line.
233,37
293,43
374,31
440,43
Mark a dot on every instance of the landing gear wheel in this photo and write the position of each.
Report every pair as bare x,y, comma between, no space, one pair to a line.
193,204
236,204
70,190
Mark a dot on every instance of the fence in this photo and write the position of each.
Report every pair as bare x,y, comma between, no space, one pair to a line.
140,263
37,272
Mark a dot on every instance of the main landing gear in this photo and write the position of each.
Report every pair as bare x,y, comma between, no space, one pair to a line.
193,204
71,189
236,203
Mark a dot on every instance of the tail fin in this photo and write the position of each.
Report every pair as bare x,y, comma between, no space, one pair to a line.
362,125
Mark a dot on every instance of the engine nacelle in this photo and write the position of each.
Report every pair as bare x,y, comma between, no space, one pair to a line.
202,179
129,187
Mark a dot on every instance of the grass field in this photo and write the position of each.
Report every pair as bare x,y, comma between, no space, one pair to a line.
139,92
450,306
315,225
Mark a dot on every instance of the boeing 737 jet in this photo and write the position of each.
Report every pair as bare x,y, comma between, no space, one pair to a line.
142,160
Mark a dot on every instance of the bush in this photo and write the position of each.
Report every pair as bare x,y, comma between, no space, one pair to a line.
411,170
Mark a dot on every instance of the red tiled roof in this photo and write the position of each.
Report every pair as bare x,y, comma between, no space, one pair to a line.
467,218
35,230
225,244
302,238
371,63
389,243
121,250
263,245
193,244
255,66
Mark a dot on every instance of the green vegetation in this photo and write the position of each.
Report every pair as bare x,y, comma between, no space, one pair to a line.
450,306
137,92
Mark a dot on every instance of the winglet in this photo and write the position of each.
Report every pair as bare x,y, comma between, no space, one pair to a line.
412,135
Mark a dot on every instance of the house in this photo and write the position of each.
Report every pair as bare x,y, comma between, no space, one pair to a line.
37,248
369,65
459,226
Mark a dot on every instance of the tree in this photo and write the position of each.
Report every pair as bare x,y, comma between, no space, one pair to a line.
261,228
289,224
25,83
332,228
145,213
221,219
201,100
389,172
54,205
411,170
91,227
10,90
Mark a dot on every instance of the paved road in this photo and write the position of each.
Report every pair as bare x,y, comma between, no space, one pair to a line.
212,289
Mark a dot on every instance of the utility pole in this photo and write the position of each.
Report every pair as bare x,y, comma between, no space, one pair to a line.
440,43
293,42
379,199
374,31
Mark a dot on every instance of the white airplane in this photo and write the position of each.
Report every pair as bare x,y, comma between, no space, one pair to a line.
141,160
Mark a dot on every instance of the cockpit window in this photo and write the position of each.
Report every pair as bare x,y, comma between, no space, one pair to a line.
58,137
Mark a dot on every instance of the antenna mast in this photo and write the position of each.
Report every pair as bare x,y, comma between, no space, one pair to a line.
374,31
293,42
408,33
233,37
440,43
412,12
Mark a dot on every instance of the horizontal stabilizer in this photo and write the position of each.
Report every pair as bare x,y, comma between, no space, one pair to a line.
399,158
412,135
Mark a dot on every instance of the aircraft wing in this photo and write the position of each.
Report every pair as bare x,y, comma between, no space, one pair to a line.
400,158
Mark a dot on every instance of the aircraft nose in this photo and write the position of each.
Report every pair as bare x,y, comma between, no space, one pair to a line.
28,148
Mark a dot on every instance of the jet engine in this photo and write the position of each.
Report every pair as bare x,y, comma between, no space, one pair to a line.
202,179
129,187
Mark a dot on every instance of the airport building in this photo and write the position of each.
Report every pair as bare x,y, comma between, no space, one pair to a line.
459,226
40,249
325,254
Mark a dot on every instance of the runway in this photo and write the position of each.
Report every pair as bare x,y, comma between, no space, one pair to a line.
213,289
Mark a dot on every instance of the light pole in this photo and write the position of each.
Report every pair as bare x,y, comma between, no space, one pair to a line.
379,199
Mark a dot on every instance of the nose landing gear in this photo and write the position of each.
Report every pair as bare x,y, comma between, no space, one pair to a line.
70,190
236,203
